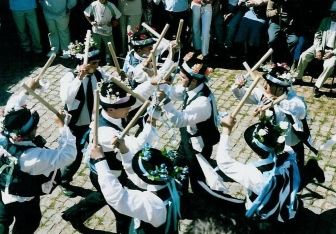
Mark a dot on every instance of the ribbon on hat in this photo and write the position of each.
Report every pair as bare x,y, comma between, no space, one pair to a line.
173,206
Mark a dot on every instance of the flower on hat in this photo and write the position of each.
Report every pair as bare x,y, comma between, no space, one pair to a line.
196,68
283,125
268,113
262,132
208,71
143,36
281,139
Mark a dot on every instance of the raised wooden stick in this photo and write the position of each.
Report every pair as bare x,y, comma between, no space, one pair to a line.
248,92
133,121
154,63
276,101
87,46
42,101
46,66
114,57
150,29
261,61
96,117
126,89
179,31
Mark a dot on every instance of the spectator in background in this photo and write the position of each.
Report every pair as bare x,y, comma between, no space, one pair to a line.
252,28
24,14
57,15
102,15
232,17
283,28
174,10
323,48
201,23
131,12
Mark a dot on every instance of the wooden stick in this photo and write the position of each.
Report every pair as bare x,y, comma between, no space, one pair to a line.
46,66
96,117
154,64
261,61
276,101
171,69
128,90
87,46
150,29
42,101
114,57
133,121
248,92
163,33
179,31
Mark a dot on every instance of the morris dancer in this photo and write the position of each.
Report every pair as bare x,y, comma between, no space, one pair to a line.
292,110
28,168
77,91
274,180
116,105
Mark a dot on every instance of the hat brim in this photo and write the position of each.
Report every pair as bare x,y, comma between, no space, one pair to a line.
131,101
279,84
248,136
142,45
156,159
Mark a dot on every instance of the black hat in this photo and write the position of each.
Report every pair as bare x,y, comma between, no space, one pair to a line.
112,96
156,167
20,122
266,137
279,76
141,39
195,68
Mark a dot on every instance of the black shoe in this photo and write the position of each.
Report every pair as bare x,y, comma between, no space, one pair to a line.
68,190
76,223
317,92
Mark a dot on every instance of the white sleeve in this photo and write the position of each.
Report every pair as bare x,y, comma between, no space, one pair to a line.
148,135
68,90
16,102
145,90
246,175
37,161
197,111
142,205
239,93
88,11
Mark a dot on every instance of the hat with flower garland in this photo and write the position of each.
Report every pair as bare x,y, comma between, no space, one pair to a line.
279,76
141,39
20,122
157,167
77,50
112,96
267,137
195,67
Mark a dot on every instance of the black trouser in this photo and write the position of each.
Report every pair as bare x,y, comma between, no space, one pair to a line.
27,216
69,171
94,202
186,156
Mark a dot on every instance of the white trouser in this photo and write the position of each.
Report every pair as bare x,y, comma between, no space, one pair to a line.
59,34
201,20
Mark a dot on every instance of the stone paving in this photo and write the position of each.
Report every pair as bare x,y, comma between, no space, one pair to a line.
320,200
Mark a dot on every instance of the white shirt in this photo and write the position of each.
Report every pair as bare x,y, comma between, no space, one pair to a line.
68,91
103,15
145,206
197,111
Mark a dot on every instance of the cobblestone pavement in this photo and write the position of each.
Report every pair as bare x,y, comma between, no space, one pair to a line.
319,199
